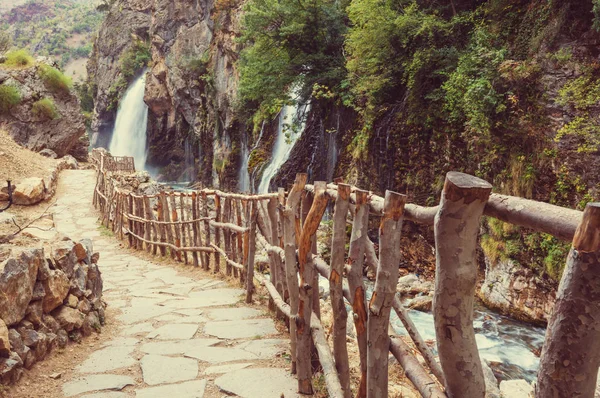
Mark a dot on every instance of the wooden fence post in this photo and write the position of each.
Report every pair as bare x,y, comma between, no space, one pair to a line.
378,340
195,239
204,213
217,234
176,227
571,353
129,220
305,298
251,250
151,225
456,228
227,235
184,226
356,256
290,214
167,218
340,316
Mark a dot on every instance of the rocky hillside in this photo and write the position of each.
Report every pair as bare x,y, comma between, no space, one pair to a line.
38,107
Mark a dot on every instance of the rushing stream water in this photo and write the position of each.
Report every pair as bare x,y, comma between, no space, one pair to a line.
129,134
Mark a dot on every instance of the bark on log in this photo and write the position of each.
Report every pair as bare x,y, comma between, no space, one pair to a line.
307,273
167,218
571,353
358,300
378,340
290,214
184,228
414,371
456,229
227,234
204,211
414,334
176,227
251,250
217,234
340,316
195,238
130,222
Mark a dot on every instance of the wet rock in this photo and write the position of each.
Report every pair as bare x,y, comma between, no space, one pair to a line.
49,153
57,287
29,191
17,279
491,383
68,318
516,389
421,303
4,340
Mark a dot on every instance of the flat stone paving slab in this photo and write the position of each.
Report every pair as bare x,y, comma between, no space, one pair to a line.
106,394
180,331
220,369
233,314
207,298
158,369
108,359
189,389
241,329
96,383
176,347
259,383
219,354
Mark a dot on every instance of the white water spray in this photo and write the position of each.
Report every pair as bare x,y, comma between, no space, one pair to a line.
129,134
292,120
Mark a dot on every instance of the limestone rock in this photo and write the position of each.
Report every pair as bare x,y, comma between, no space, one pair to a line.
94,280
62,338
4,340
421,303
10,369
50,323
79,280
16,343
80,252
68,318
38,289
515,389
42,347
68,162
34,312
17,279
95,258
89,250
72,301
29,191
64,256
49,153
84,306
30,338
90,323
57,288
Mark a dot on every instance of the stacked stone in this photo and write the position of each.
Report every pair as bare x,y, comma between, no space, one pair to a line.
48,295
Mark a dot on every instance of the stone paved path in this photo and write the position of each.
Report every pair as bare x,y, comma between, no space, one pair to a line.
178,336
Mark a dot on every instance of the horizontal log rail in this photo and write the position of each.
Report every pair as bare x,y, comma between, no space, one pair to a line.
230,226
227,259
155,222
170,246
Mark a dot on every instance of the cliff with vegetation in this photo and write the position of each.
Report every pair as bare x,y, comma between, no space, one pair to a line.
400,93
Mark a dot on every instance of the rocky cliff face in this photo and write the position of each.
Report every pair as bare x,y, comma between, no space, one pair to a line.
62,132
125,20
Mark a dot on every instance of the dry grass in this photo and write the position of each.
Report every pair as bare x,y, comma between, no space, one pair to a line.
17,162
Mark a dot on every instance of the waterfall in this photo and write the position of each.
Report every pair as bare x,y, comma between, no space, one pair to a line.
292,119
189,170
244,177
129,134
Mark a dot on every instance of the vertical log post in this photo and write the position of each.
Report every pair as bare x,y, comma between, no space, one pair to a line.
217,234
356,257
340,316
167,217
380,306
456,228
251,250
176,227
305,298
227,235
204,214
139,211
194,238
289,216
183,227
129,220
150,227
279,217
240,239
571,353
161,229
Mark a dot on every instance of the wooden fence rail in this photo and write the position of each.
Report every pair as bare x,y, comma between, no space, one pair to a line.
216,227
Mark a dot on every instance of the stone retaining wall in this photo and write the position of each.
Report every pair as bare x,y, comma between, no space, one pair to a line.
48,295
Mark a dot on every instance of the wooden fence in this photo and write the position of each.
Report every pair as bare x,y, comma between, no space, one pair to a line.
211,227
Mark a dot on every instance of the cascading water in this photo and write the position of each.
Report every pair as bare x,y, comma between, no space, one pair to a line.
292,120
189,170
129,134
244,177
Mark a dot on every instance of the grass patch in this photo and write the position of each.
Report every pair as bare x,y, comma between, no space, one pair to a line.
54,79
45,108
105,231
18,59
9,97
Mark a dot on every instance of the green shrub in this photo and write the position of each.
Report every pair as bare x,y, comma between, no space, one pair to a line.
9,97
18,59
45,108
54,79
135,59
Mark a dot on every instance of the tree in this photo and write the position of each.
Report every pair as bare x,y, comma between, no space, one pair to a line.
5,42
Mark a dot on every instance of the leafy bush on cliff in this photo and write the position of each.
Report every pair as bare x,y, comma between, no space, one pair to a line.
18,59
9,97
135,59
45,108
5,42
54,79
